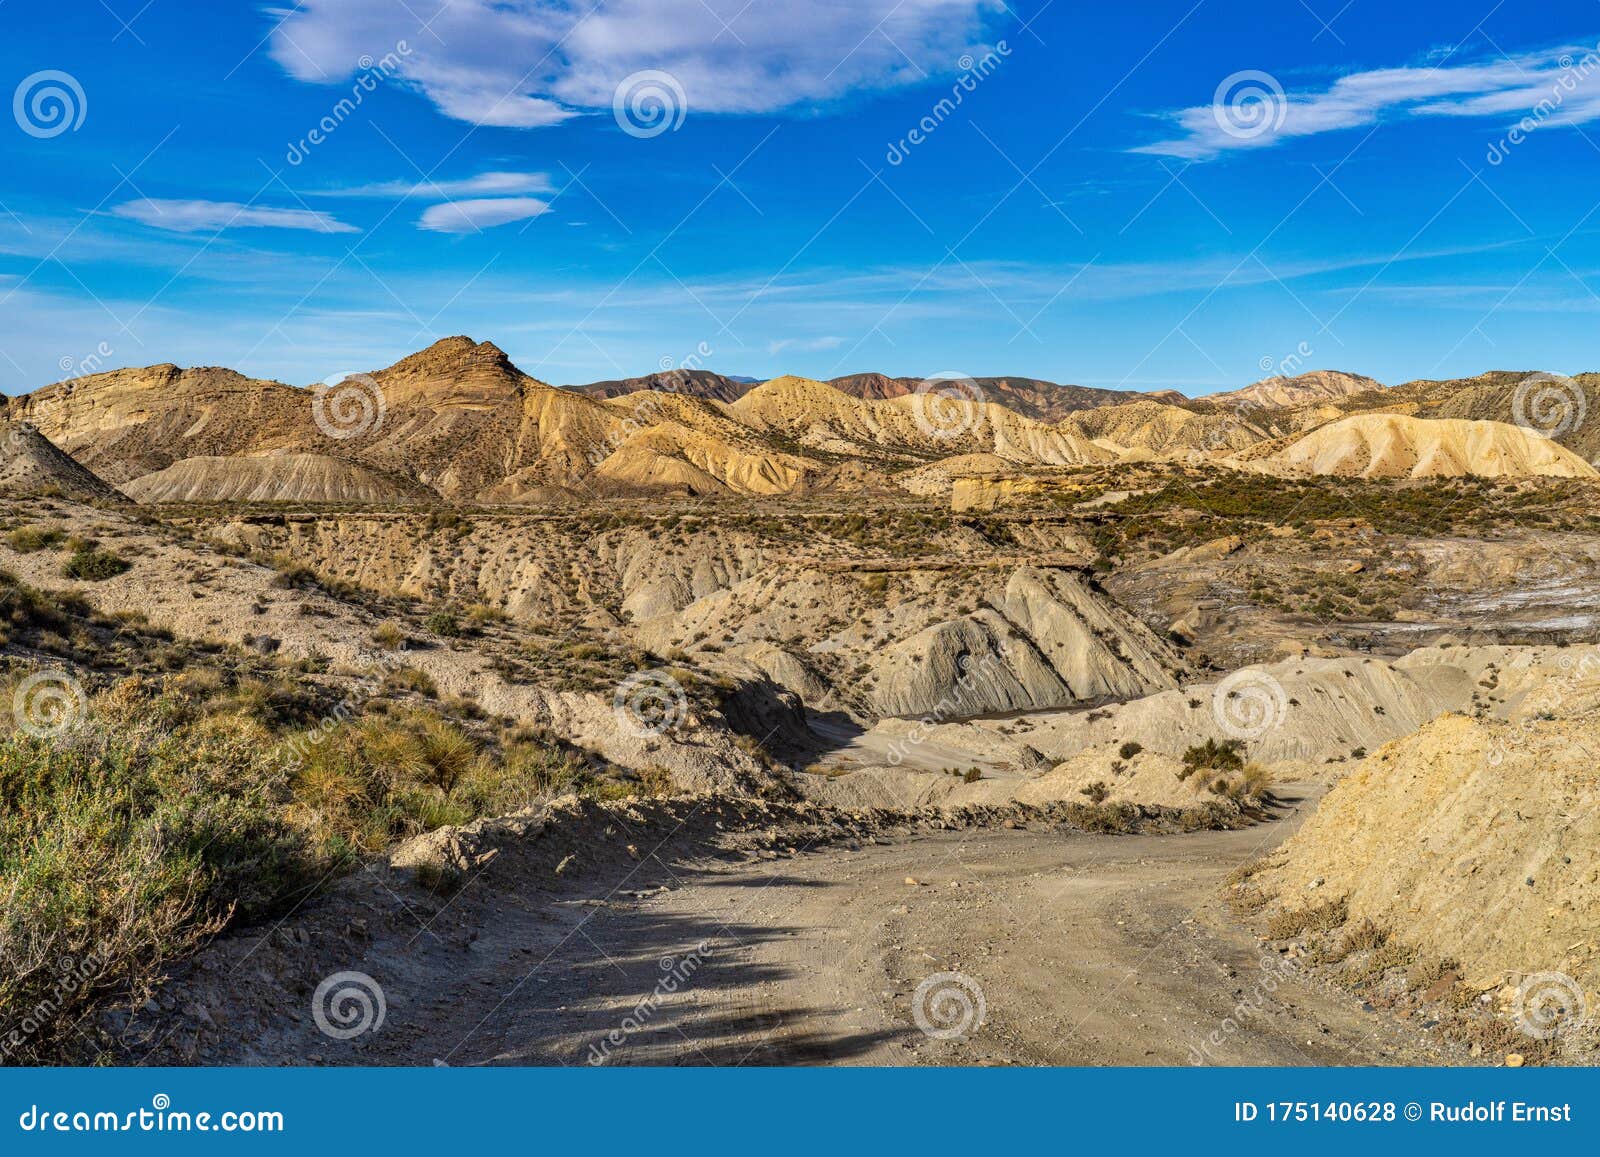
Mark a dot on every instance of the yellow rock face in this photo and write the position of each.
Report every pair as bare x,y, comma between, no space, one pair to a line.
1398,446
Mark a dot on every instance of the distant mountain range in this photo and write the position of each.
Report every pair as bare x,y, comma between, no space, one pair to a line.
458,421
1031,397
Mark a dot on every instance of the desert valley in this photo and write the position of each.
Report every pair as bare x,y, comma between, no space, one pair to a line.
1081,725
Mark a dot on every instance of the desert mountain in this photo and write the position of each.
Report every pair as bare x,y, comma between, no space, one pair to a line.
1163,429
1031,397
30,464
693,383
1304,389
1563,408
284,477
1396,446
459,421
914,426
126,423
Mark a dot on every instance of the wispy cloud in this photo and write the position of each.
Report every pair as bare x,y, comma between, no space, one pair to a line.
1559,86
473,215
525,63
195,216
483,185
804,345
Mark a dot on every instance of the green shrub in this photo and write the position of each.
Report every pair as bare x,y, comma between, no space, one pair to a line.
27,539
177,809
92,564
444,624
389,636
1213,756
410,679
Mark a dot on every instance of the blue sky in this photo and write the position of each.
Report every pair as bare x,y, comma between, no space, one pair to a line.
1143,195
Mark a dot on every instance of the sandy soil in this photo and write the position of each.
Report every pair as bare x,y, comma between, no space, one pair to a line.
1086,949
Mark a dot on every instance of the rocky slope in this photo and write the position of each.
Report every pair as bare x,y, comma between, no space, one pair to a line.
1395,446
1149,428
966,630
1303,389
690,383
30,464
913,426
1469,840
278,477
1031,397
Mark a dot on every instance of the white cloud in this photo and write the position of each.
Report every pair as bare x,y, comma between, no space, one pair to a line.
193,216
804,345
482,185
483,213
524,63
1561,86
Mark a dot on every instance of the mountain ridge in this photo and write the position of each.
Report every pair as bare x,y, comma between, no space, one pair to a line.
459,421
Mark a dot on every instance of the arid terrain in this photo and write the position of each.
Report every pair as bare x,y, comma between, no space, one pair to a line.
442,715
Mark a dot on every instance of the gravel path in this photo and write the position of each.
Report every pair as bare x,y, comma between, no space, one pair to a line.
712,935
1085,949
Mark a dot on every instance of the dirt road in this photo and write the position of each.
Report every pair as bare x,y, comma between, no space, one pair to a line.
1074,949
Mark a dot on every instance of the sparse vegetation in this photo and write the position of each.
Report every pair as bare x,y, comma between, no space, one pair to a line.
90,563
27,539
178,809
390,636
444,623
1224,756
